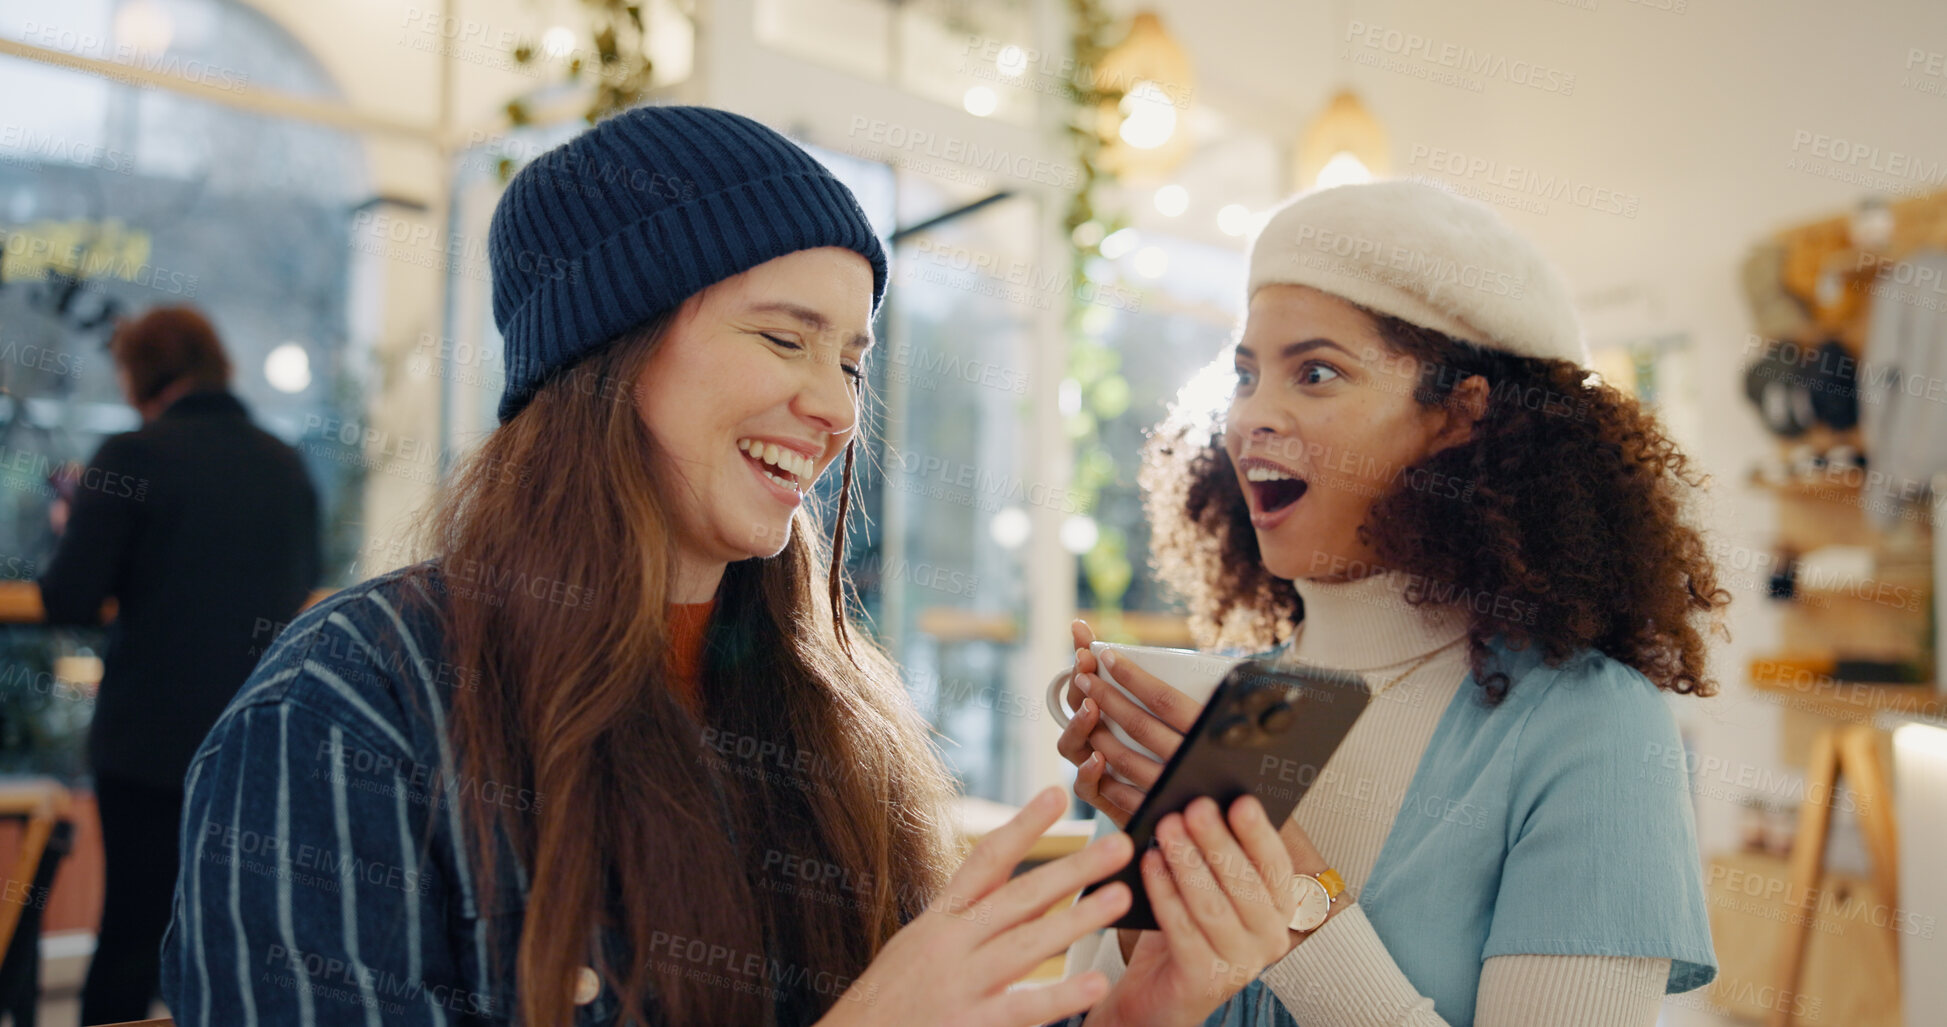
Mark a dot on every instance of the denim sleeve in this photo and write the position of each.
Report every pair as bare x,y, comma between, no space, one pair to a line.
305,896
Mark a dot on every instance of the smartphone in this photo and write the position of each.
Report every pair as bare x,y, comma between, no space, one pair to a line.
1267,731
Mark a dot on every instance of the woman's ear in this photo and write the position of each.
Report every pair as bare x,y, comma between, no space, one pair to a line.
1464,407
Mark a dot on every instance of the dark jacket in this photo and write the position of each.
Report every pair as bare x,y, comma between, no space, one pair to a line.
204,529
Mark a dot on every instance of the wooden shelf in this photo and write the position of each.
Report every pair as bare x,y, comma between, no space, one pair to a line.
952,624
1828,491
974,817
1842,700
1825,595
20,602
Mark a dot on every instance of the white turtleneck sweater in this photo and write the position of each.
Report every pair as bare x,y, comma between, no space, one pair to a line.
1342,975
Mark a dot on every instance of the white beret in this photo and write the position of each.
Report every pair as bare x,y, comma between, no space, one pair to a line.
1422,254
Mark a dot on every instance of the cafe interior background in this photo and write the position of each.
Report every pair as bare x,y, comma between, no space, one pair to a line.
1734,189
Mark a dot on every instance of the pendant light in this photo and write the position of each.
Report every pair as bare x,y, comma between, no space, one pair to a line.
1146,132
1344,145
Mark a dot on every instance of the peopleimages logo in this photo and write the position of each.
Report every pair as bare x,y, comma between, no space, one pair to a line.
1526,181
1925,72
83,44
1841,150
54,147
991,159
40,358
1890,171
1465,60
1347,254
87,249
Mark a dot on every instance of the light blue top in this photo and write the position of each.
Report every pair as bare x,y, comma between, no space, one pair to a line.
1556,823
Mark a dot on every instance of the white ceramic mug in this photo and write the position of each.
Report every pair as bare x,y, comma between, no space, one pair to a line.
1195,674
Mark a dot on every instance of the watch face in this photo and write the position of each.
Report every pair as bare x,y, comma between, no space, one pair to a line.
1313,903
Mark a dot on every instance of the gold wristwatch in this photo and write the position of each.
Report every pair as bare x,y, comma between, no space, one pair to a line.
1316,893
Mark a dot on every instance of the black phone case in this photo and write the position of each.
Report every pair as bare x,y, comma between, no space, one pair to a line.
1267,731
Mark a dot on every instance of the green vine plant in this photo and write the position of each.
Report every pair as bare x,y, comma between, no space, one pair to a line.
619,69
1092,364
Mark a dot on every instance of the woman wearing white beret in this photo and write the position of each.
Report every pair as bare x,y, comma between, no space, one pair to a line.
1418,479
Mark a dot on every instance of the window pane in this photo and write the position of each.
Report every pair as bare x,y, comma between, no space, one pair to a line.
1177,330
949,464
115,200
948,47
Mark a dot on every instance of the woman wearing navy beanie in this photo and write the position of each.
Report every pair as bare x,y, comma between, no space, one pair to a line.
614,755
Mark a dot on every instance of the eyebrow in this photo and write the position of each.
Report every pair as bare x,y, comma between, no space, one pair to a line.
811,319
1292,349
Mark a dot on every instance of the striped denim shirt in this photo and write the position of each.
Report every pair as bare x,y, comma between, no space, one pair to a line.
322,877
321,881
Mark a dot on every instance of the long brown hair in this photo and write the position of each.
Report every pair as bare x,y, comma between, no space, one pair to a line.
1568,503
808,751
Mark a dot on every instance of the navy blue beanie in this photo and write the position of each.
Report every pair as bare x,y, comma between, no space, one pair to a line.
632,217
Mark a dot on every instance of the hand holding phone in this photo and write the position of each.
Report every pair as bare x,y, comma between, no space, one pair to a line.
1267,731
1217,886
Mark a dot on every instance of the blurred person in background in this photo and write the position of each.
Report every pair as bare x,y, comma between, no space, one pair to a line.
203,528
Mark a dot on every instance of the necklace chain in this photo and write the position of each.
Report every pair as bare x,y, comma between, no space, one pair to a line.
1417,664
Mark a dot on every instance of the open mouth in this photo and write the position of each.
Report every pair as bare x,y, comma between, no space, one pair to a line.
1273,489
785,468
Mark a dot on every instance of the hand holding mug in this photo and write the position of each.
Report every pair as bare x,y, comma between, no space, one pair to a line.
1094,738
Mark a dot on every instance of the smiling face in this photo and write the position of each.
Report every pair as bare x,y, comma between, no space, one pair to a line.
1322,423
752,393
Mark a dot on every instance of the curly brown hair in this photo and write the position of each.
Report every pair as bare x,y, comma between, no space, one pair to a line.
1571,520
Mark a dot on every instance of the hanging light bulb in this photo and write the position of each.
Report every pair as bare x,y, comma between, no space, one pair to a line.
980,101
1144,131
1172,200
1345,168
1011,62
1119,242
1234,219
1078,533
558,42
1010,527
1346,144
288,368
1148,116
